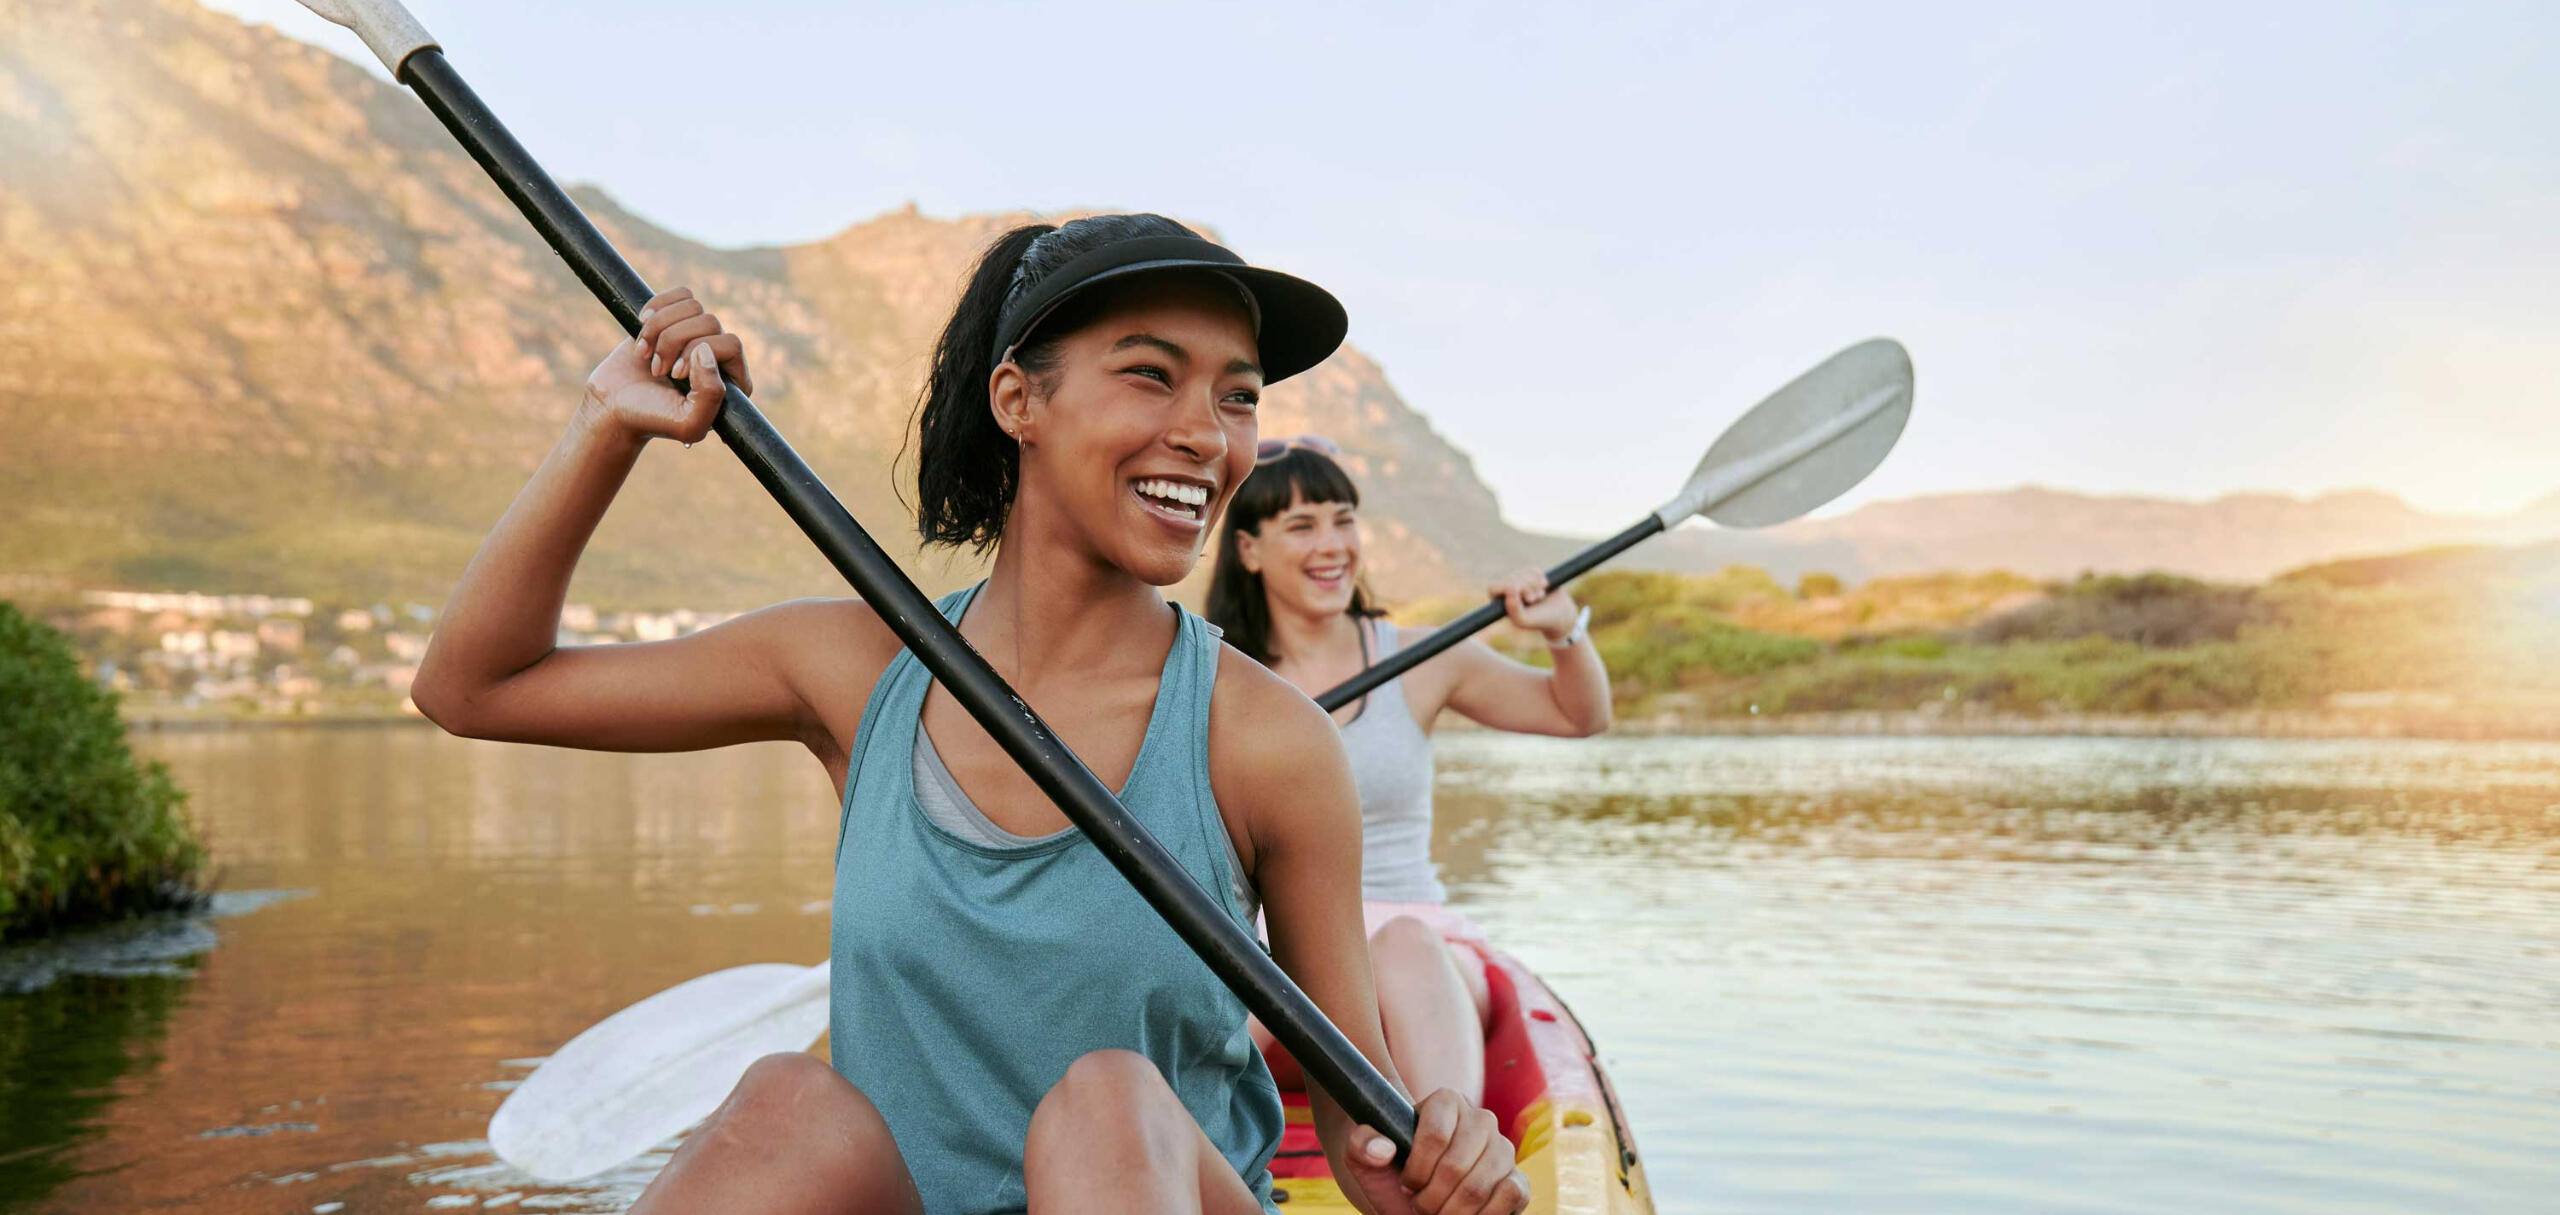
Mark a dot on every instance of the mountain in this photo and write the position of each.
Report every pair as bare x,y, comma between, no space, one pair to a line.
2047,533
277,333
271,331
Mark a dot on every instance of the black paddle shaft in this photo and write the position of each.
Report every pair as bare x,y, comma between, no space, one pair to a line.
1477,621
1230,953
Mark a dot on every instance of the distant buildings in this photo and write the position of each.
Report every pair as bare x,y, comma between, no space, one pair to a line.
202,607
286,654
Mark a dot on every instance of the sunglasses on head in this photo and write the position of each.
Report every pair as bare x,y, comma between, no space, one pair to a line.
1268,450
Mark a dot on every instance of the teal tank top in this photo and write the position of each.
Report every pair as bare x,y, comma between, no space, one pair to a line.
967,977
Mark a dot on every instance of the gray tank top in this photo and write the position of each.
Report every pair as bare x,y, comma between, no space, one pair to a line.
951,809
1391,761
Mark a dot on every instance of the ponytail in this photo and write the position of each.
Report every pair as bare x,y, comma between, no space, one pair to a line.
965,464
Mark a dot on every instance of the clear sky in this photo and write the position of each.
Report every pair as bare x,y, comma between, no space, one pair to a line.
2162,249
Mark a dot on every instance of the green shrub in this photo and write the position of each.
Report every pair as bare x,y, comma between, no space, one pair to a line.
2162,611
1669,658
2452,622
1916,646
86,831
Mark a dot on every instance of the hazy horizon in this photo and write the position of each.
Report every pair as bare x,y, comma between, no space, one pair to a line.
2301,251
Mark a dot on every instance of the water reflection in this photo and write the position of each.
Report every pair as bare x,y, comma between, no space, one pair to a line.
1840,974
2048,974
81,1010
472,904
63,1046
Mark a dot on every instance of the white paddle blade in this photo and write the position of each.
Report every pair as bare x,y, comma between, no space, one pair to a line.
385,25
646,1073
1804,446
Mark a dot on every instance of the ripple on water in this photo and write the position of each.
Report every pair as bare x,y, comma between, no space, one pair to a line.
1828,974
2046,974
154,945
474,1177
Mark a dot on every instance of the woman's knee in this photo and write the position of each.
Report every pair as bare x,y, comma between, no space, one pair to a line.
792,1136
787,1100
1108,1080
1107,1093
793,1079
1405,942
1410,957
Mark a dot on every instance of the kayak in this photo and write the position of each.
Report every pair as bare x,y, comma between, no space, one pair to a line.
644,1074
1541,1079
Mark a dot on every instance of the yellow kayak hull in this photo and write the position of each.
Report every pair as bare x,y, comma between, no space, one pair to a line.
1552,1094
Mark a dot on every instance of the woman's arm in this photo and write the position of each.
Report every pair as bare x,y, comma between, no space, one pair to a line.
493,669
1570,700
1280,769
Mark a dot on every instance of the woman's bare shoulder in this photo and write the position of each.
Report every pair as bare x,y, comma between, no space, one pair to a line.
1256,712
837,649
846,627
1268,744
1277,768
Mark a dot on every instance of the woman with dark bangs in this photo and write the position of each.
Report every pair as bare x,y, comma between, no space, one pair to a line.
1287,590
1014,1028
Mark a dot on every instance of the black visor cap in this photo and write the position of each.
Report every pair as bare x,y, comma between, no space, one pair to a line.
1301,323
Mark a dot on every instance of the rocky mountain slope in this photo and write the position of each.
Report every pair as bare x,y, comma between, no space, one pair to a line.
2049,533
270,331
275,331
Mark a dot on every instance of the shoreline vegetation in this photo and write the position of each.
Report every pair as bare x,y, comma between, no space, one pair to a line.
2539,723
2418,718
2443,643
2456,643
87,832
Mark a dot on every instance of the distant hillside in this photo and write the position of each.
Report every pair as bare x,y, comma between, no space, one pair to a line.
2534,566
2458,642
277,334
285,336
2046,533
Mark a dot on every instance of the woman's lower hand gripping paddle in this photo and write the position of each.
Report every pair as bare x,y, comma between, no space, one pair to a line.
1460,1163
1299,789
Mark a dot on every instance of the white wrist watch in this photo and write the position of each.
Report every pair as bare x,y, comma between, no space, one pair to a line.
1581,631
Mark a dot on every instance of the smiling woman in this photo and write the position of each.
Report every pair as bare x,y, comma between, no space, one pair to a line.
1055,281
1011,1029
1287,590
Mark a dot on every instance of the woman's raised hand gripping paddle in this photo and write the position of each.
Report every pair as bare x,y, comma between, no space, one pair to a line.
1570,701
494,670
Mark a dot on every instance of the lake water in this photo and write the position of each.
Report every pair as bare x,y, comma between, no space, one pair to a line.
1828,974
